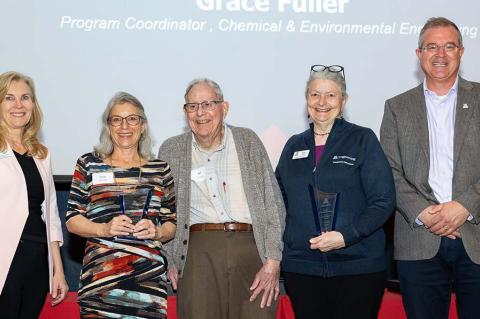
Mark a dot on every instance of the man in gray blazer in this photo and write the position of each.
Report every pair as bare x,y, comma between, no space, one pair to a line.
225,259
431,136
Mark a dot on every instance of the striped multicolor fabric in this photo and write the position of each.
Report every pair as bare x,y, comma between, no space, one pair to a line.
120,280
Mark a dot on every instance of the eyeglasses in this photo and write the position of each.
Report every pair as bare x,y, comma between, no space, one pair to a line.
206,106
132,120
329,68
434,47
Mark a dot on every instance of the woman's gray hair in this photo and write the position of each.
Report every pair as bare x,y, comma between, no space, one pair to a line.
105,147
328,75
214,85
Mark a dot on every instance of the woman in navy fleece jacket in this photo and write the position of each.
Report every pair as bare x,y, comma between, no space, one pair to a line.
338,273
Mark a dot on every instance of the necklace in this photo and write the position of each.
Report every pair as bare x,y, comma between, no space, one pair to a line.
321,134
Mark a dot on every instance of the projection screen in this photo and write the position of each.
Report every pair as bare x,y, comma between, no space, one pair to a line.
81,52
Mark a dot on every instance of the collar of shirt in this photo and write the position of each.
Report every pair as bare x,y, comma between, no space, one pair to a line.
218,148
432,95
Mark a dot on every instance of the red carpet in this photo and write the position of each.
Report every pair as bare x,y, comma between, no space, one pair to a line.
391,308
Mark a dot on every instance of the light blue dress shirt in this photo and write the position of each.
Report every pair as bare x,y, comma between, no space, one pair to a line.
441,128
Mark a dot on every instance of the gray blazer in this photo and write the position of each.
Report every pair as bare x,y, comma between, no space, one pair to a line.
263,194
404,137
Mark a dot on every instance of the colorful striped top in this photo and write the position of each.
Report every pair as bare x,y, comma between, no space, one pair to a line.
96,187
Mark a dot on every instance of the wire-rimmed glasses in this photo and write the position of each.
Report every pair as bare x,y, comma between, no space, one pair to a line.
435,47
206,106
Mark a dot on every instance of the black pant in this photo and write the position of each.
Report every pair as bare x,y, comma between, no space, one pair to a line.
340,297
26,286
427,284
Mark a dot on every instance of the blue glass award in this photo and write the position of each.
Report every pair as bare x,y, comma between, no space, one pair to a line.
135,205
324,209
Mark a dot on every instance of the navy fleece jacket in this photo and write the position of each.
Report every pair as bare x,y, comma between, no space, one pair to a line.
354,166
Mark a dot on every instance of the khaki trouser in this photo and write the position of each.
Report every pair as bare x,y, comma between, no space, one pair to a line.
219,271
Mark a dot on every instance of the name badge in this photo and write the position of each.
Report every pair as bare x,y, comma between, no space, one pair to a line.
199,174
103,178
300,154
6,153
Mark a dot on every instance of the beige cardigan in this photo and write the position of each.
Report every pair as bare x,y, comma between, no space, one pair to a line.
14,209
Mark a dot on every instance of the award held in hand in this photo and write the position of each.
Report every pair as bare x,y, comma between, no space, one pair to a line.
323,204
135,205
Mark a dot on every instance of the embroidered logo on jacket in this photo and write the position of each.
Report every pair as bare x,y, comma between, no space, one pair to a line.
343,159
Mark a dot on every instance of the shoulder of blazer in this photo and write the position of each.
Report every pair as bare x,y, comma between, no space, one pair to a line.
402,98
467,85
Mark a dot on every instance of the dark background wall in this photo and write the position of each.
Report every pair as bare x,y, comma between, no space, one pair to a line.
73,246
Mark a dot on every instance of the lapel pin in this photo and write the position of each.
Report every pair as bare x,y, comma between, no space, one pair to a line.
465,106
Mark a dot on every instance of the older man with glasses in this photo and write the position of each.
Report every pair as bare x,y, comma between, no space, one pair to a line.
225,259
431,135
